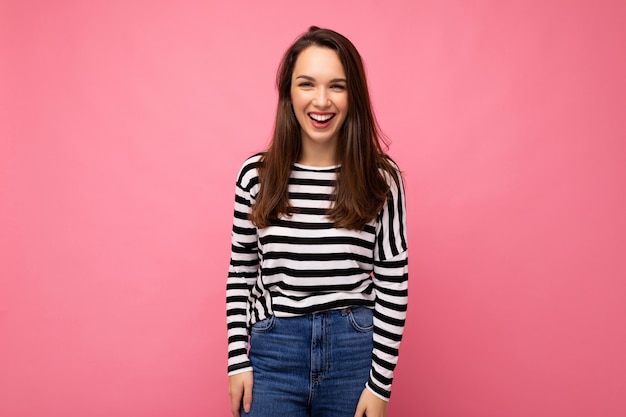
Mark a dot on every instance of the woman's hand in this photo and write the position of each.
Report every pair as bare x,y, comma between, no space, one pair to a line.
370,405
240,389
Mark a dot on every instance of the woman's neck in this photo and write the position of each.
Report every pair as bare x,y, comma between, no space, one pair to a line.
318,157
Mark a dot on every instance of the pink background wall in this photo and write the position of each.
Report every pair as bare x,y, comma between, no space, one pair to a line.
122,127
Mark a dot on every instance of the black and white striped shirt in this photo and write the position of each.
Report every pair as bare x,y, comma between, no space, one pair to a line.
302,264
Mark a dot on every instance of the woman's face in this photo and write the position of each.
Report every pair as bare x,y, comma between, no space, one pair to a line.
319,95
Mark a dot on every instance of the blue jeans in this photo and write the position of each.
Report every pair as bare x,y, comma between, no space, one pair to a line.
315,365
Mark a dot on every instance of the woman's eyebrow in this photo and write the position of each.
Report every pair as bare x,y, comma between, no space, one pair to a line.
334,80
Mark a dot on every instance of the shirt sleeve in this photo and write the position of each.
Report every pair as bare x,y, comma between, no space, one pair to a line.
390,279
242,271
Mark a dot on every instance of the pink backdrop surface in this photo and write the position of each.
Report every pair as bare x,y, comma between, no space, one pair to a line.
123,125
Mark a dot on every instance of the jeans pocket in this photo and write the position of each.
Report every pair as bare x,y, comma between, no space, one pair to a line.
362,319
264,325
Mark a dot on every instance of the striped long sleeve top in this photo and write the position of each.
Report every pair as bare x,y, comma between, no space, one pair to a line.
303,264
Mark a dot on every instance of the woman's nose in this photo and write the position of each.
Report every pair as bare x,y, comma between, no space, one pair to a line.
321,98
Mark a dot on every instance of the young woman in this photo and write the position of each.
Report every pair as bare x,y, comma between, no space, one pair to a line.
318,275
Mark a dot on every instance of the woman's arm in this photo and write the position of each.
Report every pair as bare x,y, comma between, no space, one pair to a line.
390,279
242,272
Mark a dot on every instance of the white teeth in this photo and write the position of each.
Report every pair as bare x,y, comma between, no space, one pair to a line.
320,117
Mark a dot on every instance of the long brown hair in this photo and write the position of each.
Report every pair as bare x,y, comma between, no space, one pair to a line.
361,189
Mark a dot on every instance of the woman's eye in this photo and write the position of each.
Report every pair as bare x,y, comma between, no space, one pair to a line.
305,84
338,87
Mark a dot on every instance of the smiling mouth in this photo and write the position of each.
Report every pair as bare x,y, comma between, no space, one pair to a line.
321,118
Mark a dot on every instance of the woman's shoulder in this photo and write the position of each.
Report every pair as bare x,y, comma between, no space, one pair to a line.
252,161
392,164
249,169
390,170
